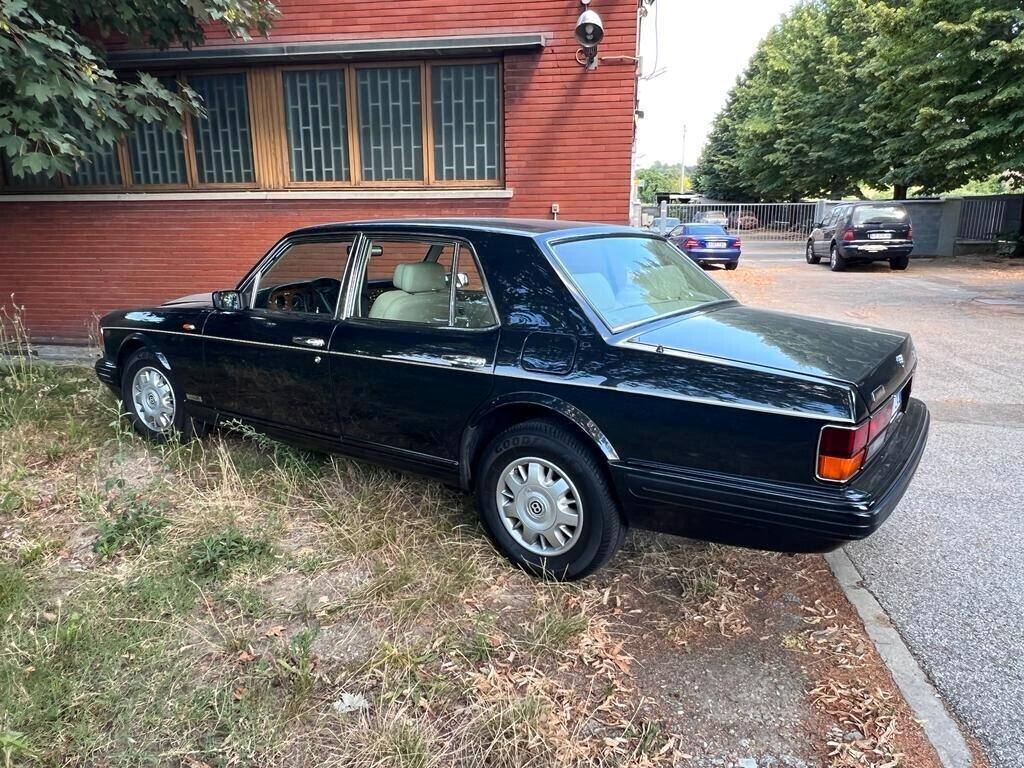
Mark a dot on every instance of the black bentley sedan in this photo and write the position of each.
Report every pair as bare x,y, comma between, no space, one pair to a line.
578,378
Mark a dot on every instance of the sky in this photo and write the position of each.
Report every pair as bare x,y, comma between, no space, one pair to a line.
702,47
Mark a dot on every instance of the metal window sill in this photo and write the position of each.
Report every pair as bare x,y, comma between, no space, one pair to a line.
322,194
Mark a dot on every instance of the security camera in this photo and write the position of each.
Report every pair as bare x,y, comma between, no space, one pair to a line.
589,29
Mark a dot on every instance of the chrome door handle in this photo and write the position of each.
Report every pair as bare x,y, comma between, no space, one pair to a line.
466,361
309,341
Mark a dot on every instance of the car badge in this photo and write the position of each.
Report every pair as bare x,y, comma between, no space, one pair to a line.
901,361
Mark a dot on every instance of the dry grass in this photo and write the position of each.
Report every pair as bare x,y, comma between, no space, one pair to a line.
224,603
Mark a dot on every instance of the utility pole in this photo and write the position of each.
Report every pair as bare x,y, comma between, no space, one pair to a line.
682,168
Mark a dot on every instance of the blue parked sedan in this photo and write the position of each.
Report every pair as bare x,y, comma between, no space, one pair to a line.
707,244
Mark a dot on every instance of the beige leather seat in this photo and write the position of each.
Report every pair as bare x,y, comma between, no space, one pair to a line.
421,295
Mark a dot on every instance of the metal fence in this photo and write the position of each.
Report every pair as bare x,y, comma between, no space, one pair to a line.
776,222
982,219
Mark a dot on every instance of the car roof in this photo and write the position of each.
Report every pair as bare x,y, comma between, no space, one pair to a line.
533,228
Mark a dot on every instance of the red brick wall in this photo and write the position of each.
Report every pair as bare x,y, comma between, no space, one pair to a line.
568,139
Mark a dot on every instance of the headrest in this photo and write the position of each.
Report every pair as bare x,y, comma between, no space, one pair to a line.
419,277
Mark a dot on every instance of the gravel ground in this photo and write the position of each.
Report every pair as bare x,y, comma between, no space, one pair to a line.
947,567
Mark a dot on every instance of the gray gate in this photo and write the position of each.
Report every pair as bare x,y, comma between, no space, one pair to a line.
769,222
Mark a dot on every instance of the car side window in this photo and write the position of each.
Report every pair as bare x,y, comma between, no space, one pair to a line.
431,282
306,278
472,304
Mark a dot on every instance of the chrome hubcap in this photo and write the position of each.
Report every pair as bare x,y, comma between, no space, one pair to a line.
153,399
539,506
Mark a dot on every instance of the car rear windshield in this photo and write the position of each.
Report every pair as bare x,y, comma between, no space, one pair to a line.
632,279
705,229
879,214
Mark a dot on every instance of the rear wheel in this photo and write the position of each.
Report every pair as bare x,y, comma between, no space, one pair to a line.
731,265
547,502
899,262
835,261
153,400
809,254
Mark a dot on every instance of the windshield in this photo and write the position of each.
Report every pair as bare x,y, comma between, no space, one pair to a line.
704,229
632,279
879,214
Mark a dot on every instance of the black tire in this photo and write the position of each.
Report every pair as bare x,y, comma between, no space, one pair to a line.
809,254
181,425
836,262
731,265
899,262
601,528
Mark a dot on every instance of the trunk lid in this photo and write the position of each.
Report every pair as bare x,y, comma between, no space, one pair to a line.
875,361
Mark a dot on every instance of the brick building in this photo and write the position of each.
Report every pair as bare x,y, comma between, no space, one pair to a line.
349,110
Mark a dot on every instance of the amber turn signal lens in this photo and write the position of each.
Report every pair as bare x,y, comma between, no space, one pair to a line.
838,468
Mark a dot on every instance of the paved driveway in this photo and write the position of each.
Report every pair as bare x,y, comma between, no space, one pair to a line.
949,565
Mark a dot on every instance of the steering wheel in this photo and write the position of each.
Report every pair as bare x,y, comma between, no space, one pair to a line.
324,294
315,296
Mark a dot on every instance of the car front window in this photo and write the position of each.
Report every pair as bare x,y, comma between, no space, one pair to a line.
633,279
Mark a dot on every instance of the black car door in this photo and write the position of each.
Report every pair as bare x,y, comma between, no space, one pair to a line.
828,231
268,363
411,367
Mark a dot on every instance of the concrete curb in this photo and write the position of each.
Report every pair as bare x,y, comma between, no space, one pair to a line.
939,727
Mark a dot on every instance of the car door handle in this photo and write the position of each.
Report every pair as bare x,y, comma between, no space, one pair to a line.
465,361
309,341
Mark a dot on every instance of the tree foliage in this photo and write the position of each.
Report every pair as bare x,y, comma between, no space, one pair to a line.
660,177
844,93
58,100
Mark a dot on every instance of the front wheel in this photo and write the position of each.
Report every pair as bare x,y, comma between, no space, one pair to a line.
835,260
899,262
153,401
547,502
809,254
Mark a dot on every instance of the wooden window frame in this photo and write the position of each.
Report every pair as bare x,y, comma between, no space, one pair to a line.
268,135
284,160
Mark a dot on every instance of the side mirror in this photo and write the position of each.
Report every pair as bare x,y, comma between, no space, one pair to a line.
227,301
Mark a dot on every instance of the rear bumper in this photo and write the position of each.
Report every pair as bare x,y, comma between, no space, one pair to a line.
713,255
107,372
875,250
784,517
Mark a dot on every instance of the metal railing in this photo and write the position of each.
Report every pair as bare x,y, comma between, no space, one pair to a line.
775,222
982,219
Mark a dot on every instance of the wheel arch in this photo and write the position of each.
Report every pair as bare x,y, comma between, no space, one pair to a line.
508,410
131,344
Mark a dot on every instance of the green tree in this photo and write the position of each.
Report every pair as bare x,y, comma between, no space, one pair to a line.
58,100
844,94
949,102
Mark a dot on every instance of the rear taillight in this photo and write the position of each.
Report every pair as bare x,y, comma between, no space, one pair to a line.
738,243
691,243
848,236
842,451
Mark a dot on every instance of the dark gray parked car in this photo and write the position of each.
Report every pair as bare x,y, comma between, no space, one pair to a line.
854,233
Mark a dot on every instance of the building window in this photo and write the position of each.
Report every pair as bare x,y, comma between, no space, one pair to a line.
222,138
390,124
100,169
317,124
157,155
465,115
410,124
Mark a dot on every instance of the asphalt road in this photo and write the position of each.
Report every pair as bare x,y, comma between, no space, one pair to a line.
948,566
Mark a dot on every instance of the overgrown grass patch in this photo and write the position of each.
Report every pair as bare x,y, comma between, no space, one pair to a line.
218,602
